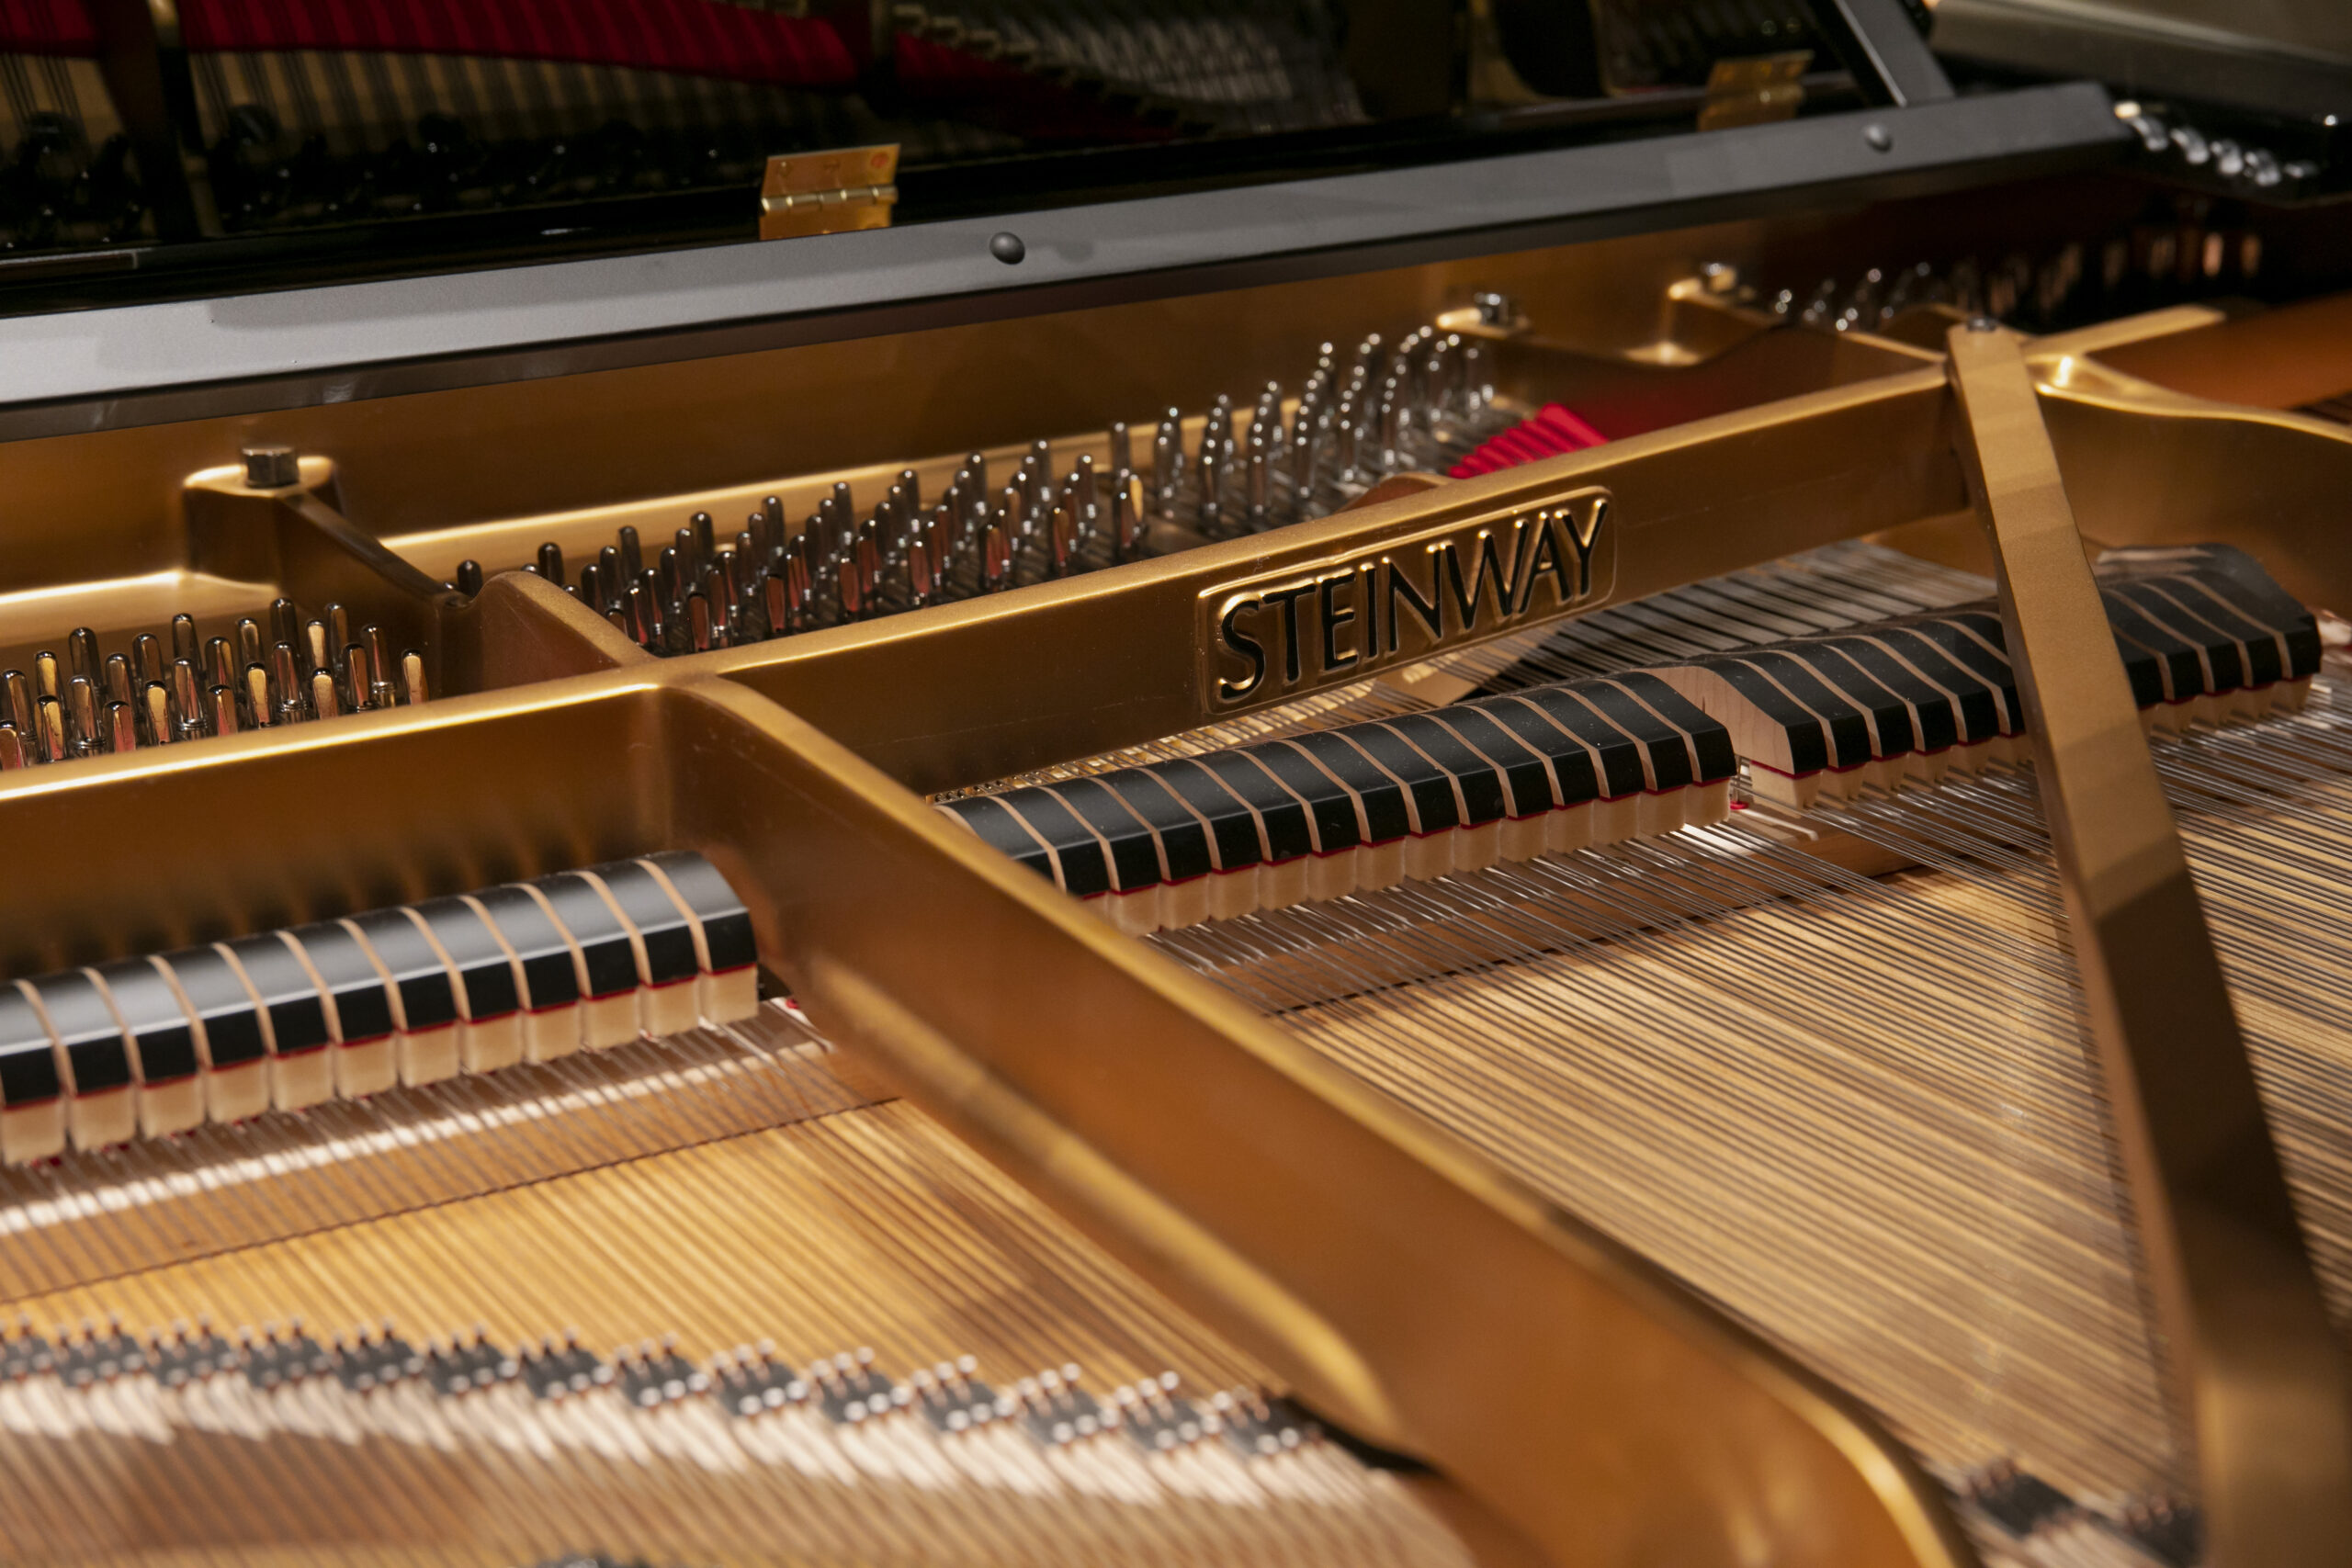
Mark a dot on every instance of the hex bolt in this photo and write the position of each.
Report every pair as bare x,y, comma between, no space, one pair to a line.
272,467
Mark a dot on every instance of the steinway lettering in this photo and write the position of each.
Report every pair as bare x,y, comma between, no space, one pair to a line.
1283,634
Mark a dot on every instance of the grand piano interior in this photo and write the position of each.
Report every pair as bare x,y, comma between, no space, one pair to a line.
1488,781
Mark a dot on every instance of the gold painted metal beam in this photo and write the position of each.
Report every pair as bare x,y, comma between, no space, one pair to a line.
2153,467
1400,1279
1406,1282
1397,1275
2256,1366
986,688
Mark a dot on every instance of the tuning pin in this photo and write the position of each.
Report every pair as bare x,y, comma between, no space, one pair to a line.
223,703
1062,534
775,595
634,602
668,575
249,643
1477,392
799,583
868,558
1344,427
996,556
318,653
323,702
154,715
115,679
712,589
1166,463
1438,375
286,686
184,639
919,578
412,687
380,668
13,754
187,715
123,728
259,711
851,602
353,668
18,695
1216,429
82,714
1126,517
56,744
82,652
937,544
146,659
45,675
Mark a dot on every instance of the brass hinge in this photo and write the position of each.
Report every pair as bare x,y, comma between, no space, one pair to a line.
1756,90
829,192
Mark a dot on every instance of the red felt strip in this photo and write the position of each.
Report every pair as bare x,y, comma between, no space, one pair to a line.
48,27
1570,425
1553,430
702,37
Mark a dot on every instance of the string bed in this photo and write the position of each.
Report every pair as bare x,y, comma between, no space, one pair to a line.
1856,1114
1859,1110
93,1215
867,1248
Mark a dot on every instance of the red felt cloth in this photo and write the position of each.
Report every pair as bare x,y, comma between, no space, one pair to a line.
48,27
1553,431
698,37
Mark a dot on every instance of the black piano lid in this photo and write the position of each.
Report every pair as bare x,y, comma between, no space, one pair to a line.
2279,61
190,357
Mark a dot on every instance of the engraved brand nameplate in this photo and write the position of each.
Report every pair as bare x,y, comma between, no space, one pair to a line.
1282,633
